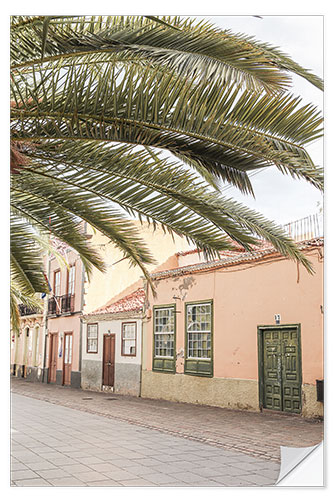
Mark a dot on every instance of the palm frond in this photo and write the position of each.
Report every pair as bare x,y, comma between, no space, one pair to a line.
96,99
65,208
223,131
195,50
156,189
18,297
26,261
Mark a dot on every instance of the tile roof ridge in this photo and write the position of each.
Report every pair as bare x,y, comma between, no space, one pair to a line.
265,250
131,302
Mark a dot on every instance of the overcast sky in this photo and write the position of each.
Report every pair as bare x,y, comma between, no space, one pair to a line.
278,196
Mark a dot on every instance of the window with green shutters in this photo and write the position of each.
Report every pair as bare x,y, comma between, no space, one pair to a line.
164,338
198,332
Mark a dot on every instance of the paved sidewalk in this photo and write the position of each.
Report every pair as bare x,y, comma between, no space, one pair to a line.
57,446
254,434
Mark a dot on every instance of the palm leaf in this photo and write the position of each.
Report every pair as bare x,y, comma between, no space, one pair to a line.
156,189
230,133
96,99
18,297
194,50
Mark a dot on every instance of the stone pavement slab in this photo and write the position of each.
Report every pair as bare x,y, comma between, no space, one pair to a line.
254,434
182,469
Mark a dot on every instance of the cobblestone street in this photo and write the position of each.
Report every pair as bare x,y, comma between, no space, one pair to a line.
74,437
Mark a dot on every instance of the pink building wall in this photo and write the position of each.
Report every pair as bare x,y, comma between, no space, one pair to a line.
244,296
66,322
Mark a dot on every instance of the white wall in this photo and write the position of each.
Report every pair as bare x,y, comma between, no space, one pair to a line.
112,326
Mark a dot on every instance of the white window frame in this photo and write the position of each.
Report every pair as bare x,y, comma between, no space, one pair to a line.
89,338
71,280
198,332
57,284
158,335
124,339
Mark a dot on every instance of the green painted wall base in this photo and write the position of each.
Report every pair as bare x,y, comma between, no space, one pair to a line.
237,394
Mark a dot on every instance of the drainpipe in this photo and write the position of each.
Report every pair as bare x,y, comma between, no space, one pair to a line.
45,318
80,349
143,331
140,380
16,352
82,311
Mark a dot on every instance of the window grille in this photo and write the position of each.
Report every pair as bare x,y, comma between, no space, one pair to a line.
164,329
92,338
199,331
128,346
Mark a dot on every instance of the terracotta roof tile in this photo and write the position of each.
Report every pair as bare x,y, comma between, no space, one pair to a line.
233,259
131,303
235,250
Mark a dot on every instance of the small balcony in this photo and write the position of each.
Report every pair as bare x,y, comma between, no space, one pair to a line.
27,311
63,304
67,304
53,308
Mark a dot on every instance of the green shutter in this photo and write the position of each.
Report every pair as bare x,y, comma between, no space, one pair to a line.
198,367
164,365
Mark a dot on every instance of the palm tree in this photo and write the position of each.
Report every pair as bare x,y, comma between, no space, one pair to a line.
121,117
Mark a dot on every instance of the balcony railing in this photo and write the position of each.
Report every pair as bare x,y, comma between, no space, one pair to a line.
26,311
53,306
63,304
67,303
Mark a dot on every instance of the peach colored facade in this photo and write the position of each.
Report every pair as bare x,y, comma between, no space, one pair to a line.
244,296
117,281
68,322
30,353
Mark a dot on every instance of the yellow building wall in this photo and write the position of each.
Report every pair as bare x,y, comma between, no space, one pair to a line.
119,276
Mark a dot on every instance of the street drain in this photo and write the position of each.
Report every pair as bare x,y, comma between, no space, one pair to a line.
111,399
86,398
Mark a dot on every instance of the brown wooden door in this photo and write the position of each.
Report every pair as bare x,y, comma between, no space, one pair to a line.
67,368
108,359
53,357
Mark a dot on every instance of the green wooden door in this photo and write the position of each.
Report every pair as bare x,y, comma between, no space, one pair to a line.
272,370
280,373
291,371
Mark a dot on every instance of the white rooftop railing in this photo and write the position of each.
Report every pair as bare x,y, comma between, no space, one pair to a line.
307,228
